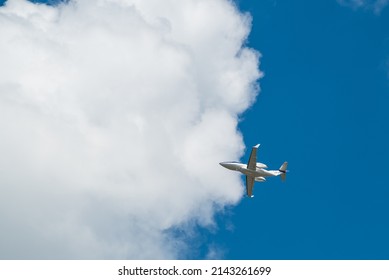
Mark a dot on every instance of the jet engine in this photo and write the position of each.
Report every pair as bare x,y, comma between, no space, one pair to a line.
261,165
260,179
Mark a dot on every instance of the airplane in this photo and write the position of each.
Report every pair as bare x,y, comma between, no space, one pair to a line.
255,171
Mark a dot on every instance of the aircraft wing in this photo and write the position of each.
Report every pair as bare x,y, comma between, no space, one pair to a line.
252,164
249,185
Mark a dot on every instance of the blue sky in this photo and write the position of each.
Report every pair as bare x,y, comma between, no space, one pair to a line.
322,107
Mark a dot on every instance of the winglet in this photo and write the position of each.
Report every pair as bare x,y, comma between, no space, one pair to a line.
256,146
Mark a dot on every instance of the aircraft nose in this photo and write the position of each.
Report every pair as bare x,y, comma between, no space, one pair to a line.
228,165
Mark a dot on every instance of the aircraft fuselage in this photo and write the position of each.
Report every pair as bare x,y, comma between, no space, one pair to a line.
241,167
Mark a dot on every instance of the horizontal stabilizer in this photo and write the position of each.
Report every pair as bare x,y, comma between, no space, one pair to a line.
283,167
283,170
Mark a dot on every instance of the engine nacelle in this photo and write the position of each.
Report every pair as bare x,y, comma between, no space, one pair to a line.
260,179
261,165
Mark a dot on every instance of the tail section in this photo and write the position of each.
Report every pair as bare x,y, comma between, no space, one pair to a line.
283,167
283,170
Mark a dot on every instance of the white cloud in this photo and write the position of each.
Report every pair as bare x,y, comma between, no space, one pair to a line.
375,5
215,252
113,118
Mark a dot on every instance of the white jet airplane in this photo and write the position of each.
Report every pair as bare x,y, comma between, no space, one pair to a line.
255,171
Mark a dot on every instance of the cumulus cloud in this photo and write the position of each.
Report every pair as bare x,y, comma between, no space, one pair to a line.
114,115
375,5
